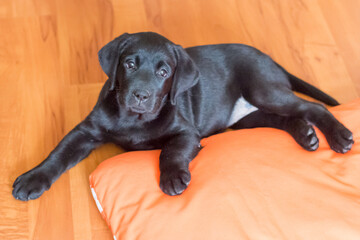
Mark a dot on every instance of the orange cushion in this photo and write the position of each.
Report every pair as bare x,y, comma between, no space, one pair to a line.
254,183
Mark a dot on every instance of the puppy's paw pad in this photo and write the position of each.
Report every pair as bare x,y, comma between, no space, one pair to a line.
30,185
174,182
307,138
341,141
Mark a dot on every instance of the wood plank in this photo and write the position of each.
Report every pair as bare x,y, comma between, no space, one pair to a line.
343,19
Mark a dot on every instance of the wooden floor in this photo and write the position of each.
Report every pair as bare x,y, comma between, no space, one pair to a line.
50,79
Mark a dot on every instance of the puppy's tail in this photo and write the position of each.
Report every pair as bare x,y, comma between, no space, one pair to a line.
301,86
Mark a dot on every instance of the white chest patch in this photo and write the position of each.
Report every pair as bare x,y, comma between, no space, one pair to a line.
240,110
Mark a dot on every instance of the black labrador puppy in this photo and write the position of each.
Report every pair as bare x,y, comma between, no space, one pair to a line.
160,95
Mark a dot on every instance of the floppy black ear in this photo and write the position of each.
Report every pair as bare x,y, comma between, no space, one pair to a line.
186,74
109,57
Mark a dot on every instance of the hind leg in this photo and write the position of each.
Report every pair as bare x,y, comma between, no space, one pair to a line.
300,130
281,101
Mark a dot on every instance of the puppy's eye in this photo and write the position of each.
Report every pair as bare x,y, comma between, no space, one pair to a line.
130,65
163,73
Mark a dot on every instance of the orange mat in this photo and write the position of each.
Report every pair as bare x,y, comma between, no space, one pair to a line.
246,184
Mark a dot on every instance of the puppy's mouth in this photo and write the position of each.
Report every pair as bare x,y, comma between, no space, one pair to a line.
142,110
138,110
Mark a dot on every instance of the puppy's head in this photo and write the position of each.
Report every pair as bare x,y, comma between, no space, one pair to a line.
147,70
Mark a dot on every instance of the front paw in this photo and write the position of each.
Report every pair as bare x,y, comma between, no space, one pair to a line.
174,181
31,185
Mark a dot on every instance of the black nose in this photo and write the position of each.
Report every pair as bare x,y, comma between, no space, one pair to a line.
141,95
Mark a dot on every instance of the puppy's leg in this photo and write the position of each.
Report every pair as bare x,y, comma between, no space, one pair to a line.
72,149
175,157
299,129
283,102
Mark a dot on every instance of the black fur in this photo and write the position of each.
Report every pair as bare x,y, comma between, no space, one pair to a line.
159,95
